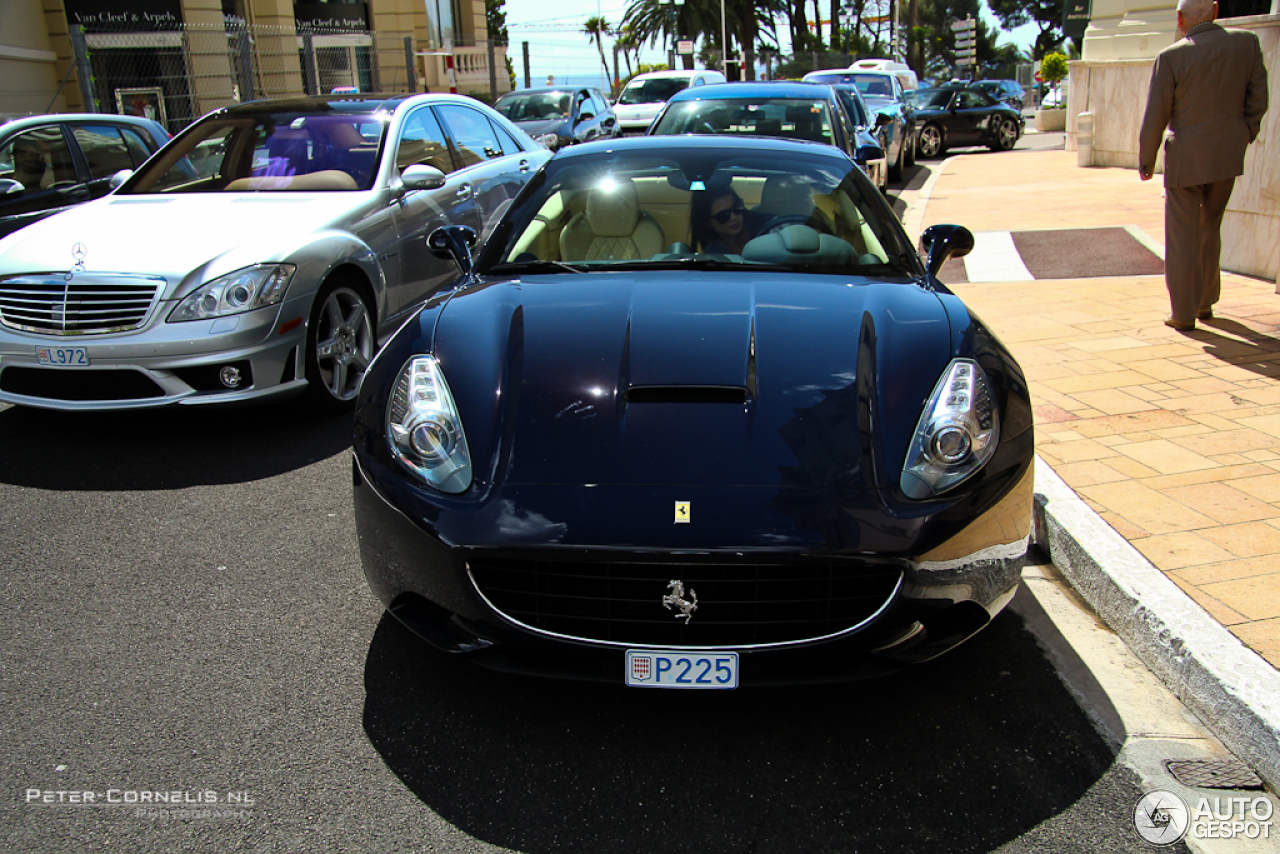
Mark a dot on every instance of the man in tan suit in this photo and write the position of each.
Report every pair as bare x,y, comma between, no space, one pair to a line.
1210,90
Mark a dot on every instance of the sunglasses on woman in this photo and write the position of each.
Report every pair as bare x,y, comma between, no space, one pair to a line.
728,213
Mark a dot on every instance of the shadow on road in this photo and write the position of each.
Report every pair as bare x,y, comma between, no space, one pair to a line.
959,755
163,449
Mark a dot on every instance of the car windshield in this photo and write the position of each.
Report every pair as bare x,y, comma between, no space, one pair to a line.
935,99
649,208
655,90
788,118
538,106
873,85
286,151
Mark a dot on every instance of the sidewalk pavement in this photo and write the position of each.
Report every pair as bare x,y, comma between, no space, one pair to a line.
1158,475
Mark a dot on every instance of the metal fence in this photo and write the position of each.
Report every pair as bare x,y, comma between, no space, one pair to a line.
177,75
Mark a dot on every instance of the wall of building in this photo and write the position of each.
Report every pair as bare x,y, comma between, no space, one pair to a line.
28,63
1112,87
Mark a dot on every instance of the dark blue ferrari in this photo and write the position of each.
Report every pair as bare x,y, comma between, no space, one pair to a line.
697,415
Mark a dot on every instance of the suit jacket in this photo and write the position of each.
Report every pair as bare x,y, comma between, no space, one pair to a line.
1210,90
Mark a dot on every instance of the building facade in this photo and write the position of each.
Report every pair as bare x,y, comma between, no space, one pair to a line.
175,60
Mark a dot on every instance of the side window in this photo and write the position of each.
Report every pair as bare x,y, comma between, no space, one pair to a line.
600,103
472,134
582,104
509,145
37,159
423,142
103,148
138,148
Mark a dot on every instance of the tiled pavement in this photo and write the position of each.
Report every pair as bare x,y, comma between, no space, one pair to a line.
1172,438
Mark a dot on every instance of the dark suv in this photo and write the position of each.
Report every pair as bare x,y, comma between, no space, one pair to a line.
49,163
1004,90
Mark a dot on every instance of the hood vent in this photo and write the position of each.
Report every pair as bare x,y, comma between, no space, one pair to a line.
686,394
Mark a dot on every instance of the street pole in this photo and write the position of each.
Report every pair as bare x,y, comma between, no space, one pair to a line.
724,45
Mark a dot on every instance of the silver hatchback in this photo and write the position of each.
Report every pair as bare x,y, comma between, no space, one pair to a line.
264,251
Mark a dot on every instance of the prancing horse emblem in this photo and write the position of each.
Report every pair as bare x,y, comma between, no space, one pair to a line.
676,597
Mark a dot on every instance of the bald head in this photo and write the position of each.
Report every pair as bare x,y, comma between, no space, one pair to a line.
1192,12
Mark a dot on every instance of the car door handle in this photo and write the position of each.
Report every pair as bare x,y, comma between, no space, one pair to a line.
464,192
524,165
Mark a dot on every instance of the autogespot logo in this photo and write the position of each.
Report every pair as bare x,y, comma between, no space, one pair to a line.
1161,817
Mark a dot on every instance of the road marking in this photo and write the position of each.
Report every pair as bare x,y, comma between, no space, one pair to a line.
995,259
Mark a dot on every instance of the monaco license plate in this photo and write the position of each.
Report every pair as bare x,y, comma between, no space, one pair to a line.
67,357
657,668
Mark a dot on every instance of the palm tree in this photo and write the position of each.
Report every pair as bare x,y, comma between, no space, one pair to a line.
597,28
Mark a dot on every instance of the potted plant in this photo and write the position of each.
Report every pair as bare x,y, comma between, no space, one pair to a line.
1053,69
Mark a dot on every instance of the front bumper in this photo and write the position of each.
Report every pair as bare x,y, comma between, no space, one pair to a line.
162,364
428,580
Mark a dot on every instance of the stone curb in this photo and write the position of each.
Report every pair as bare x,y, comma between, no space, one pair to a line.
1232,689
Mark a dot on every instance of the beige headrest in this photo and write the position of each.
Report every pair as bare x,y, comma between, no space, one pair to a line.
613,211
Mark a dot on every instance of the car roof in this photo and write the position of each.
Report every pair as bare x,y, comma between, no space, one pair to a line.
755,89
26,121
648,75
747,144
541,89
340,103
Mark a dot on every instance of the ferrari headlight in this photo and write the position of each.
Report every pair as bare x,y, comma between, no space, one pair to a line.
424,430
550,140
235,293
957,433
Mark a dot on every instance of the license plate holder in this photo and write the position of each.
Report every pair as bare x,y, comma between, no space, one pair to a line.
63,357
664,668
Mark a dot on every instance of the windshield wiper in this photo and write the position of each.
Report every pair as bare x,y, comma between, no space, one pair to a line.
535,265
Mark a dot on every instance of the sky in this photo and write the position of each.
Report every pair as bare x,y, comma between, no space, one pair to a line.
558,47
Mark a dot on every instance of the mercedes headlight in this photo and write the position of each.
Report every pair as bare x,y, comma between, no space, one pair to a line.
235,293
956,435
424,430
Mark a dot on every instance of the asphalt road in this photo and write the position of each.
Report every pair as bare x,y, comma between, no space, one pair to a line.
185,612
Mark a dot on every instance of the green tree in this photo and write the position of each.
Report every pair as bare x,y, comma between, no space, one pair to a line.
1045,14
597,28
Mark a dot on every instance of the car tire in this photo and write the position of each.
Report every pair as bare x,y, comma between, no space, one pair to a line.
932,142
1006,135
340,343
911,149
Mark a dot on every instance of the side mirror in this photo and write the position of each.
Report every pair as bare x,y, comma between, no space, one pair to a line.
119,178
419,177
883,119
454,242
867,153
9,187
582,117
940,242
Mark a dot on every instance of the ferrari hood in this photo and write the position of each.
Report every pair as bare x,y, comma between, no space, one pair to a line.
168,234
705,378
541,126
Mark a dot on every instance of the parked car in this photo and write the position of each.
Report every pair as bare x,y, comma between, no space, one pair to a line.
957,116
804,462
560,116
262,252
783,109
888,127
1007,91
50,163
883,92
645,94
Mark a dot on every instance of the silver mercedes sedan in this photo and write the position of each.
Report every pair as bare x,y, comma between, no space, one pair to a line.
264,251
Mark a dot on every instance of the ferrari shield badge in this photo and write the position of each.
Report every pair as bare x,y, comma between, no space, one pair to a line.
675,601
682,512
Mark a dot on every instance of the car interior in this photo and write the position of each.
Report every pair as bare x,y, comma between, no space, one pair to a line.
638,217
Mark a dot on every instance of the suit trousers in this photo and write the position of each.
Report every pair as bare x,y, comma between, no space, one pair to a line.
1193,246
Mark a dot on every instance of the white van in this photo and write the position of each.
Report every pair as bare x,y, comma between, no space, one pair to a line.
901,70
645,94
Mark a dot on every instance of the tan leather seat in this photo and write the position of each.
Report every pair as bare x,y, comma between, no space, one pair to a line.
789,195
612,228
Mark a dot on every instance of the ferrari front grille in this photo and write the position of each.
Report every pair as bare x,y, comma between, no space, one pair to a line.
738,604
84,304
